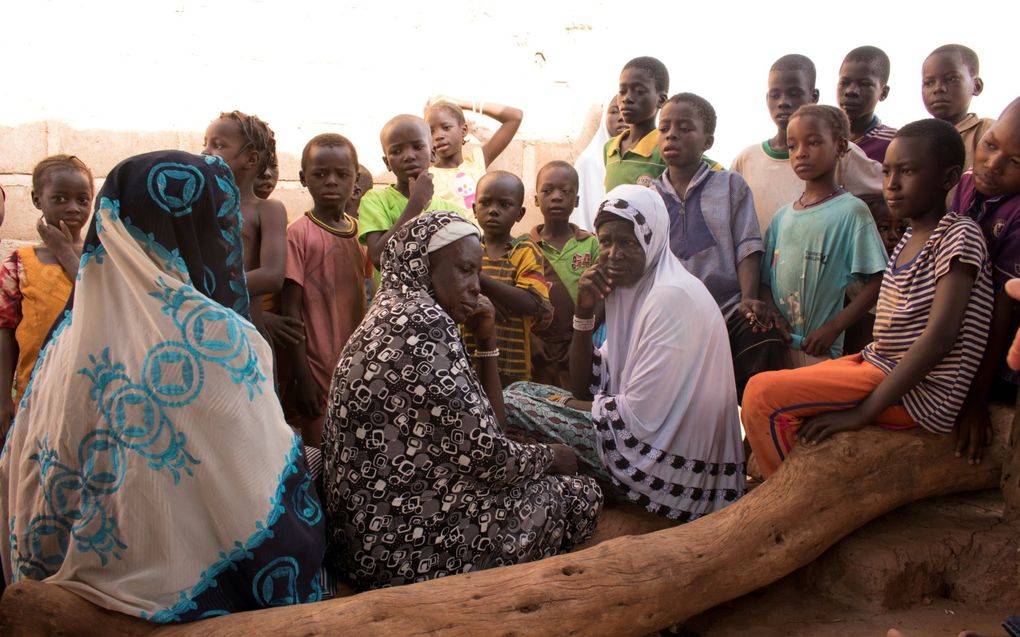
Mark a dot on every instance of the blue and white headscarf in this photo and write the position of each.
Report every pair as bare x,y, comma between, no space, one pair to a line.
150,469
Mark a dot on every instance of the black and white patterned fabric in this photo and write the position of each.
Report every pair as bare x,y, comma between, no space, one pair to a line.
419,480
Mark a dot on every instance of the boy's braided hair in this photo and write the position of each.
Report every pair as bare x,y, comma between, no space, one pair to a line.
59,162
832,116
257,135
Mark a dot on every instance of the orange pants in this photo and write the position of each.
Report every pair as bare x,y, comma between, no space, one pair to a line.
776,403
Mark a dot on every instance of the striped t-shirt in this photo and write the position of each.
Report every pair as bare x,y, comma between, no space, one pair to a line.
904,305
522,268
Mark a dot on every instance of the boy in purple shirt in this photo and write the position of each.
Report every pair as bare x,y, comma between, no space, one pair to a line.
863,83
990,194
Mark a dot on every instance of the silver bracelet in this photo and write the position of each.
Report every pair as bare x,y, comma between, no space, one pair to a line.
584,325
493,353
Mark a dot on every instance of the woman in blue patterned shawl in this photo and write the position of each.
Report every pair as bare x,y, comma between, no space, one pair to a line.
420,481
150,469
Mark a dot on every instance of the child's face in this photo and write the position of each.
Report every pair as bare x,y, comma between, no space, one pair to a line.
556,193
913,183
682,138
997,158
447,133
889,229
66,195
266,182
947,87
363,185
614,119
814,148
788,90
860,89
407,149
498,205
329,176
638,99
224,139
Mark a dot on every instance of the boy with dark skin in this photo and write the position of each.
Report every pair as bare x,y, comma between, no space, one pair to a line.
522,296
329,171
949,81
266,183
991,196
408,153
632,157
245,143
863,83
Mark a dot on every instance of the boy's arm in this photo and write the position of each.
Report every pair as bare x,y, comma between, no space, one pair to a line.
309,401
952,291
420,194
974,426
518,301
268,277
775,314
8,360
818,342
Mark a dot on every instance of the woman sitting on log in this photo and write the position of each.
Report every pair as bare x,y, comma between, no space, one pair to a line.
654,411
150,469
419,480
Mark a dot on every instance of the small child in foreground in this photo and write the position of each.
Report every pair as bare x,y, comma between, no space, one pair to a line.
454,175
714,233
990,195
35,282
819,244
933,315
407,151
511,275
949,81
863,83
766,166
248,146
324,285
567,251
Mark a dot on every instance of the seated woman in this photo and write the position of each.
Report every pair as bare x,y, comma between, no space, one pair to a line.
420,481
662,427
149,469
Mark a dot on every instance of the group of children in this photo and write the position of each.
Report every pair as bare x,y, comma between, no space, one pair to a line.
835,225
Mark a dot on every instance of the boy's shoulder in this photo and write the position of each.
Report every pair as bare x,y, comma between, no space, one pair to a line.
758,153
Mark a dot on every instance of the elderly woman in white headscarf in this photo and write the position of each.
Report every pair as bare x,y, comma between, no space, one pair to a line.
420,481
654,411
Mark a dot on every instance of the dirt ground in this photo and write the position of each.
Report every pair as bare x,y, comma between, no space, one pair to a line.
781,610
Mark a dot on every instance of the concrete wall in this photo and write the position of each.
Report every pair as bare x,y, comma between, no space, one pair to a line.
25,145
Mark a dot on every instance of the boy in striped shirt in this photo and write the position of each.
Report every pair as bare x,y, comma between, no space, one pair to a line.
934,310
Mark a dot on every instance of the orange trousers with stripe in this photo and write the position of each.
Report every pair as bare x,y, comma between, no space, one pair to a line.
777,403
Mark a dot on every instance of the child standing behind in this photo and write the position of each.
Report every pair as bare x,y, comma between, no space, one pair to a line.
567,251
511,274
714,233
990,195
248,146
818,244
766,166
324,285
35,282
932,324
863,83
408,152
632,157
949,80
455,175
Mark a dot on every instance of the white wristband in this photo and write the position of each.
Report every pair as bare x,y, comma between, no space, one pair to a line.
584,325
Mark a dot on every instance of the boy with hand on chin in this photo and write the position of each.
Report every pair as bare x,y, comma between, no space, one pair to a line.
511,275
863,83
408,153
990,194
766,166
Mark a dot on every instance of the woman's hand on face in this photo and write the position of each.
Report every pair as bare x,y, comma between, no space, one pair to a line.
593,286
564,460
482,321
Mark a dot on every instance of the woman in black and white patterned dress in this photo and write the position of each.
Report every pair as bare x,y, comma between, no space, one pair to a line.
419,479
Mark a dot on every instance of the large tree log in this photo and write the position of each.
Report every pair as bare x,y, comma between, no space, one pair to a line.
625,586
